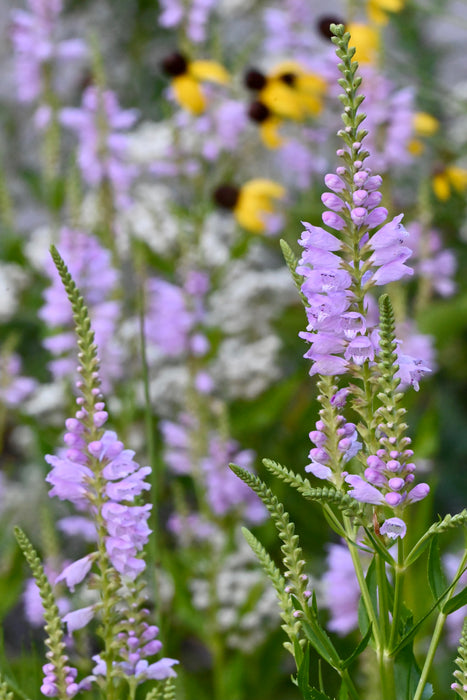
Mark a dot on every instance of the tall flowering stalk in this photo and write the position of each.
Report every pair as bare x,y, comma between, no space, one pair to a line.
101,479
366,459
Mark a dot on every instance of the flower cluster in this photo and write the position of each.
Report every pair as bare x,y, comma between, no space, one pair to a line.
224,492
338,328
72,479
175,12
33,36
348,444
100,124
91,267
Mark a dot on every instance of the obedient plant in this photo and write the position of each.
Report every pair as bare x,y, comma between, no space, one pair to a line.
361,448
101,479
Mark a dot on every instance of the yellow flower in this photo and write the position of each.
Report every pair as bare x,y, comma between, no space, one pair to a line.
378,9
289,91
187,76
268,123
424,125
366,40
452,177
250,203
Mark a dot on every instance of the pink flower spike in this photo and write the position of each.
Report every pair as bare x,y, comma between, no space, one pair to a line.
393,528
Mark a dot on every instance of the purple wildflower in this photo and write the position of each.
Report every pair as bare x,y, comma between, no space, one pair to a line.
432,262
341,590
90,265
348,444
225,493
100,125
194,17
49,687
14,388
389,120
33,35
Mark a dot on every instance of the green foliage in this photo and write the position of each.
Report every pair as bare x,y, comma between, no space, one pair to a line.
291,625
53,623
461,662
292,261
5,694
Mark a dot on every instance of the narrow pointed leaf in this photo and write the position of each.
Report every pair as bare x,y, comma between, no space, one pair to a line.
358,650
436,576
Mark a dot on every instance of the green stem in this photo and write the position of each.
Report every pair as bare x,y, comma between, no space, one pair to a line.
363,587
436,637
399,575
383,597
154,548
349,684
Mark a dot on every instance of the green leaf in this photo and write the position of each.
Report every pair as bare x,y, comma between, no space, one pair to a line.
321,643
436,577
447,523
455,603
361,647
303,674
379,546
371,582
407,675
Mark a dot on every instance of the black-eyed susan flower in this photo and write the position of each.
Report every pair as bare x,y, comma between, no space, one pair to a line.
252,204
448,180
289,91
424,125
268,123
366,40
379,10
187,77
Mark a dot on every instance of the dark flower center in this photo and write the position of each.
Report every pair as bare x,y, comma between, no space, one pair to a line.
323,24
258,112
254,79
288,78
174,65
226,196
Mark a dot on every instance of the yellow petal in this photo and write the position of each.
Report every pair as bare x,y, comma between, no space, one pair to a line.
310,82
389,5
256,199
424,124
188,93
311,103
415,147
247,216
286,67
269,132
210,71
263,187
281,99
441,187
378,9
458,177
366,40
